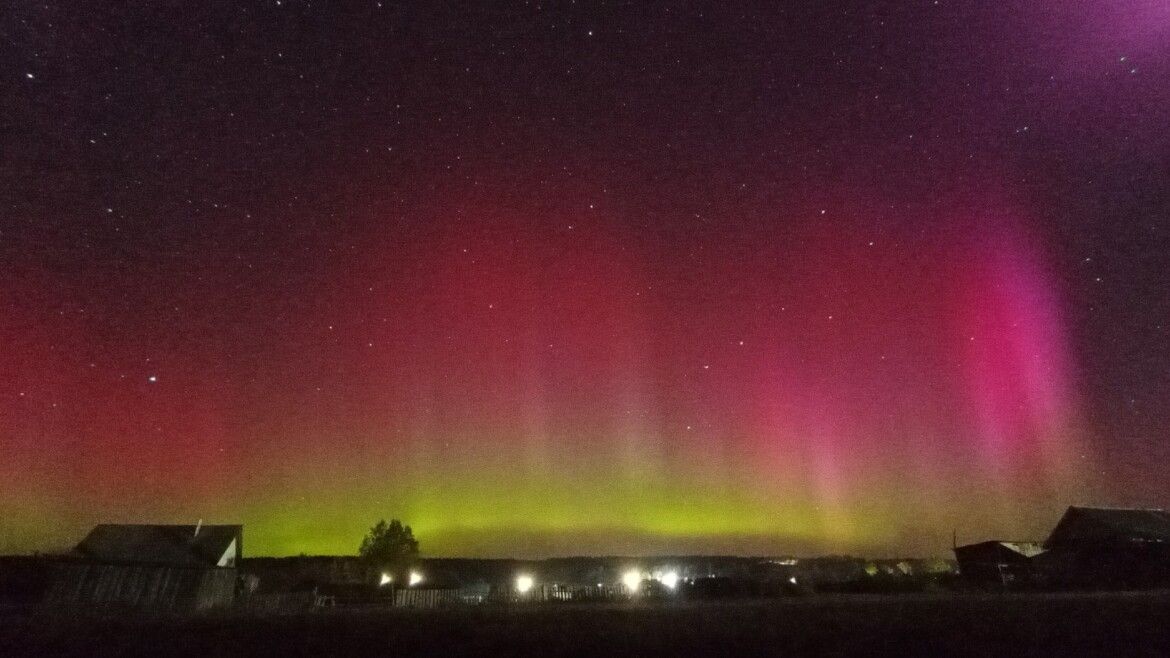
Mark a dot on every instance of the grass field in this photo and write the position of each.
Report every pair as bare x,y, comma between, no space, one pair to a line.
1117,624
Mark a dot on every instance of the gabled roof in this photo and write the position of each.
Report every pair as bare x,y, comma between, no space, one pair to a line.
1103,524
178,545
1025,549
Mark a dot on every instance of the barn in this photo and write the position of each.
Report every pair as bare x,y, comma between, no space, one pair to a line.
1113,547
172,567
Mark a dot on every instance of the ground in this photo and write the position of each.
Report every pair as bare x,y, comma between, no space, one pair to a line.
943,624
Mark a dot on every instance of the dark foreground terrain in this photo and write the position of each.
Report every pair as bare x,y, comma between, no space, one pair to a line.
944,624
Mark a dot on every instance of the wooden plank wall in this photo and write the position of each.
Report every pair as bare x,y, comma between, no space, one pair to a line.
159,587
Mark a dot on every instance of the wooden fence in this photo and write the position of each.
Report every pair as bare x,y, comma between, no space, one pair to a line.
427,598
437,598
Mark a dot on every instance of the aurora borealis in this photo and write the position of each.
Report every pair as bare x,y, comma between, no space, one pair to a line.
578,278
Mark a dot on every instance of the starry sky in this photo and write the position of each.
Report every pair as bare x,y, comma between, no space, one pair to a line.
553,278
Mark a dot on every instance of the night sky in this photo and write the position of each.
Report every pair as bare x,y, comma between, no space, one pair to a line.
582,278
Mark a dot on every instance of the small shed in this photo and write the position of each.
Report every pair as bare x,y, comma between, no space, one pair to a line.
1001,562
155,566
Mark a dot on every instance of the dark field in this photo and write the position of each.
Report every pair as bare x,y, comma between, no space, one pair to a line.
945,624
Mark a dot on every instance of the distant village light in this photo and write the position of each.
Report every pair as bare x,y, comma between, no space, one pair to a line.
632,579
524,584
386,580
415,578
669,579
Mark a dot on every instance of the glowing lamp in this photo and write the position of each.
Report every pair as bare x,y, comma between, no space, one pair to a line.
632,580
386,580
669,579
524,584
415,578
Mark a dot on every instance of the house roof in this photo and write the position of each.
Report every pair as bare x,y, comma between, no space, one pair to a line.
179,545
1096,524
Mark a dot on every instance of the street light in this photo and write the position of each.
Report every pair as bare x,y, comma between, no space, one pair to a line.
524,584
632,579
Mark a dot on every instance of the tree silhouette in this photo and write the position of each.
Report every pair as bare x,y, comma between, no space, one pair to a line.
390,546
